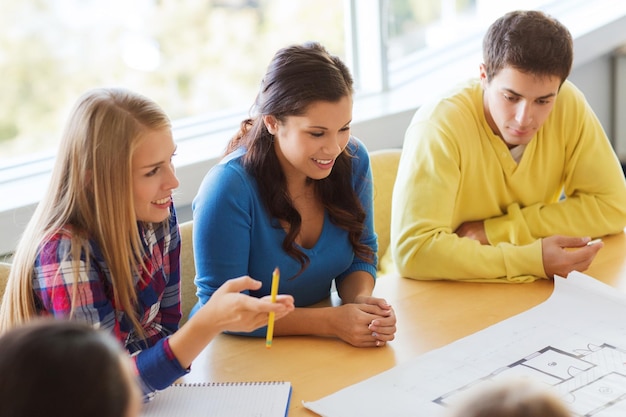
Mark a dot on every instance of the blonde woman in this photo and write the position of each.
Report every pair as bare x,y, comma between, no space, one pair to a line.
103,245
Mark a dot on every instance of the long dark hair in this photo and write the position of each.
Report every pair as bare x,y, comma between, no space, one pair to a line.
298,76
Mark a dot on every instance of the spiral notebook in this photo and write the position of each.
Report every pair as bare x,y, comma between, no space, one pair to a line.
221,399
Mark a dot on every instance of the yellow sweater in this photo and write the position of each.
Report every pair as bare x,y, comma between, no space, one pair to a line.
453,169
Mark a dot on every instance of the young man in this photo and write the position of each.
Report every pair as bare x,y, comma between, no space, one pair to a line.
507,177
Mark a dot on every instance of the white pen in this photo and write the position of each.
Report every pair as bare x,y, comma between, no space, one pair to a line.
593,242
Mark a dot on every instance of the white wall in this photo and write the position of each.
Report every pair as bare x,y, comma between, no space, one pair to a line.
595,80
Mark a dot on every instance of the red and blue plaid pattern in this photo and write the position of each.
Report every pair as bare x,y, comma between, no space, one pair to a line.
158,292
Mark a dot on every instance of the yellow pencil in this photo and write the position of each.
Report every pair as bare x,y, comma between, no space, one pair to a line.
270,323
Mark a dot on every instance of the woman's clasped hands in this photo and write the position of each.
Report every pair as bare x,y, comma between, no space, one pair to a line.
367,322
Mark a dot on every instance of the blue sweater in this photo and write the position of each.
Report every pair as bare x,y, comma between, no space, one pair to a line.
234,236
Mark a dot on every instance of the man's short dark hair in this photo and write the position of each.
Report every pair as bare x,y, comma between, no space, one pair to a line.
529,41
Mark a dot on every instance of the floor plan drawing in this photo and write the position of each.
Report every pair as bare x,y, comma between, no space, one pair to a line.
592,379
575,342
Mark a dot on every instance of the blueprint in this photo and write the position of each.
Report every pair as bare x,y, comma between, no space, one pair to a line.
590,379
575,341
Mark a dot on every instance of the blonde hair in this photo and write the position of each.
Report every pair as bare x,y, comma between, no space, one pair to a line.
512,397
91,191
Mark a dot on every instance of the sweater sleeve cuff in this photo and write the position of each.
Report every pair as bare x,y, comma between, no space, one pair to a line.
158,367
523,263
358,266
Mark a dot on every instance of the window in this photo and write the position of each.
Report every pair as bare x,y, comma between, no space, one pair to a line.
202,60
194,57
416,36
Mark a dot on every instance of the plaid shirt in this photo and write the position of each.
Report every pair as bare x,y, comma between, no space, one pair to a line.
158,293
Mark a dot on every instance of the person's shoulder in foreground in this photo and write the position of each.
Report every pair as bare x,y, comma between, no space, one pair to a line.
509,171
62,368
512,397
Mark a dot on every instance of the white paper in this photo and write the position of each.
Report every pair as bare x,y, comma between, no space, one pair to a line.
216,399
575,341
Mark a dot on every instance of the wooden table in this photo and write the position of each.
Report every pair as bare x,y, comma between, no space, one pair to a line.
430,314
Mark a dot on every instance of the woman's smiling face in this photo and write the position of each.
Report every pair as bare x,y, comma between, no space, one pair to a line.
308,145
154,176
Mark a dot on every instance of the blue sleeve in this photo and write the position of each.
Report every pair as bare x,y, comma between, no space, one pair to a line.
362,182
157,369
221,229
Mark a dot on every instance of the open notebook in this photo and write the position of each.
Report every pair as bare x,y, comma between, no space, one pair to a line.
217,399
